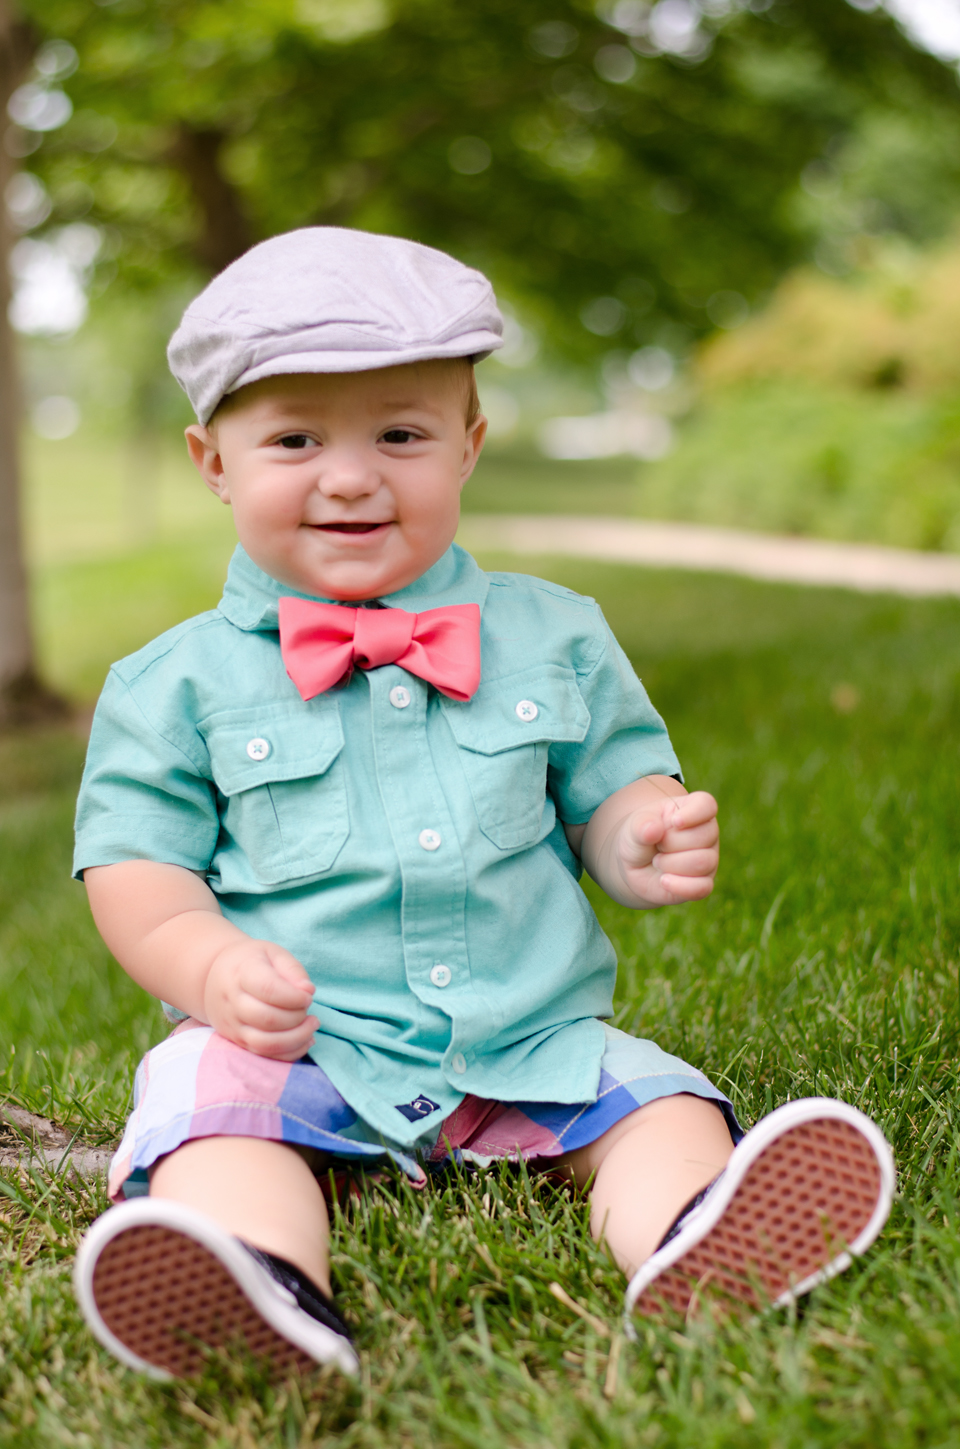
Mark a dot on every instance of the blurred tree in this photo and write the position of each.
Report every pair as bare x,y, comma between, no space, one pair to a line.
15,643
22,696
626,173
612,167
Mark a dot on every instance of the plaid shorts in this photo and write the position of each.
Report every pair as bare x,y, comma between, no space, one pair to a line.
198,1084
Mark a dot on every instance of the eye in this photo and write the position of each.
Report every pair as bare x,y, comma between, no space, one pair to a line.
399,435
296,440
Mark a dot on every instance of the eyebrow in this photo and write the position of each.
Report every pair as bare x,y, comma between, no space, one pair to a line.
400,404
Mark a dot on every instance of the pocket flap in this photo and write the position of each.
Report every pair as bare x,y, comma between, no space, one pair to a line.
499,716
271,742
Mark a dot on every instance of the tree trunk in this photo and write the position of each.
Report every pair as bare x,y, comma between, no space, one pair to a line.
16,648
224,234
23,699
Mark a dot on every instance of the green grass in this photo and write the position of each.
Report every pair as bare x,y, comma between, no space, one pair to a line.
87,497
518,480
827,725
89,613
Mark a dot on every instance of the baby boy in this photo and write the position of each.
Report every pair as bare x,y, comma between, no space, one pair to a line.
337,825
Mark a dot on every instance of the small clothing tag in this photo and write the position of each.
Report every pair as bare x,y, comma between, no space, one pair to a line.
420,1107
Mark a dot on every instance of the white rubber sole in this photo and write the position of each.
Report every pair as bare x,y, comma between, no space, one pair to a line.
805,1192
160,1284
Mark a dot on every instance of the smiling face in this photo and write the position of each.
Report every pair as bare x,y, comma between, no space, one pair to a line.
348,484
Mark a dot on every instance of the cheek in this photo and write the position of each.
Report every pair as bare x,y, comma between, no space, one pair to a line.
272,506
431,502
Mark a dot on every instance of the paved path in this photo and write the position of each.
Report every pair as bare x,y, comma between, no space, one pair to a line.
868,567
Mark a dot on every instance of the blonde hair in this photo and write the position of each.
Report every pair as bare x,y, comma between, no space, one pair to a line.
468,389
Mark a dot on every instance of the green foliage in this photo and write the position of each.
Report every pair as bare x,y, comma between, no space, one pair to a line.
115,368
894,175
567,157
796,458
835,412
891,325
827,724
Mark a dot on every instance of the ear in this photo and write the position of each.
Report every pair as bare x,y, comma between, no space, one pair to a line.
476,433
205,454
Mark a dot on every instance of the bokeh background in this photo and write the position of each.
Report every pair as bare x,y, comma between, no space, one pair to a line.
724,233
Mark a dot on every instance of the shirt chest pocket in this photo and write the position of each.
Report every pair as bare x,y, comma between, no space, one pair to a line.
279,773
504,736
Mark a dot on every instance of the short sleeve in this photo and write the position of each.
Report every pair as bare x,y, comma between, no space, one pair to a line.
142,797
626,739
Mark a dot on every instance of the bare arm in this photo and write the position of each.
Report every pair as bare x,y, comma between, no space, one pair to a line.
651,844
165,927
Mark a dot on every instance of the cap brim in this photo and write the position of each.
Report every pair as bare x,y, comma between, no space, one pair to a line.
475,347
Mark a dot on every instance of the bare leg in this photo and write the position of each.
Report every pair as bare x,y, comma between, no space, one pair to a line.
258,1190
648,1167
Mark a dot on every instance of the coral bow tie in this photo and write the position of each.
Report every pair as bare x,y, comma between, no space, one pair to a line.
322,644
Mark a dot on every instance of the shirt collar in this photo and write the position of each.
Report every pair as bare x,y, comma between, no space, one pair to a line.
250,596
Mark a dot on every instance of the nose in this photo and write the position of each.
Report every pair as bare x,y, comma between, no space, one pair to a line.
348,472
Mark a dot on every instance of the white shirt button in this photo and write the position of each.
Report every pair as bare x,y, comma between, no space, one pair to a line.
459,1063
440,975
527,710
429,839
258,749
399,697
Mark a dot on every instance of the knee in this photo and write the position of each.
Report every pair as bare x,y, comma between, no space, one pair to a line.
678,1120
682,1110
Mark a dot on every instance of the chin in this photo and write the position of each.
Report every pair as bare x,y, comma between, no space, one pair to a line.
350,581
352,590
346,583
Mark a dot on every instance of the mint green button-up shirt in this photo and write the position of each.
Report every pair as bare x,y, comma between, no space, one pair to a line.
406,848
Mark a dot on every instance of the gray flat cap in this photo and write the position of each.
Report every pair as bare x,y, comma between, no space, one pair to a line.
326,299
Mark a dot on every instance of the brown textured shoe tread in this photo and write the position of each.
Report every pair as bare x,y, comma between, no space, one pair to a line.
167,1297
805,1199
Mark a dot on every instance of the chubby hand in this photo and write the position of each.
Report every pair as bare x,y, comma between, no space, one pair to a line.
256,994
668,850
